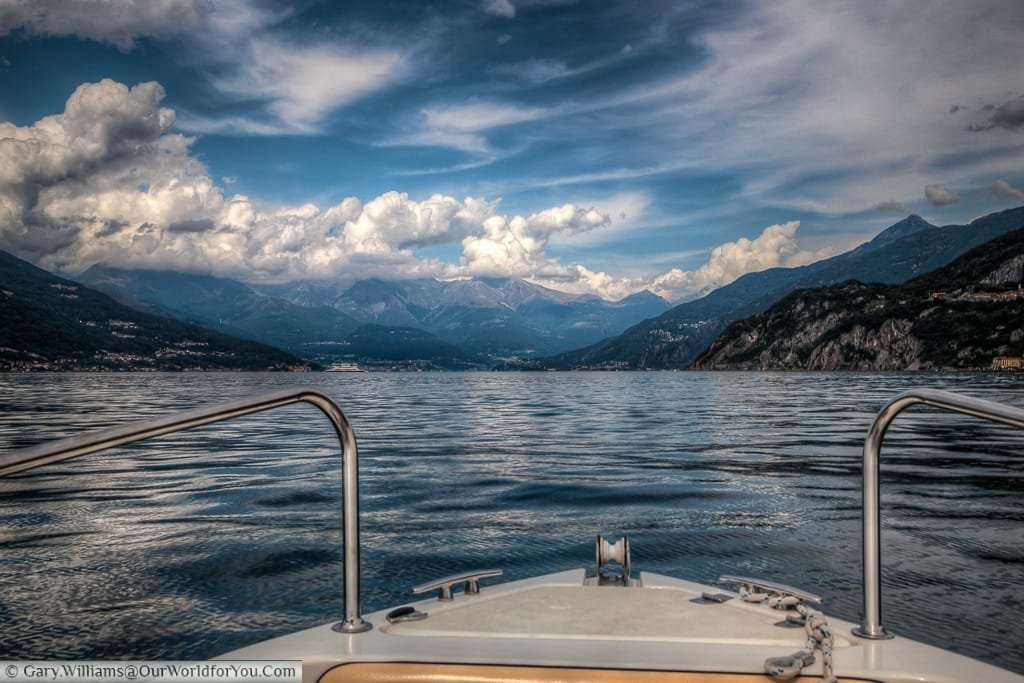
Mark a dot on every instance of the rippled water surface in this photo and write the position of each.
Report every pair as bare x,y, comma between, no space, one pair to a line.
197,543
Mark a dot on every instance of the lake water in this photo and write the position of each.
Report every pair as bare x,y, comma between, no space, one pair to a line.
197,543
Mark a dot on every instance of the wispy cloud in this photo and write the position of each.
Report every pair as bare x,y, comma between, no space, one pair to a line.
539,71
1004,190
464,126
304,84
289,85
500,8
241,48
117,23
533,70
798,100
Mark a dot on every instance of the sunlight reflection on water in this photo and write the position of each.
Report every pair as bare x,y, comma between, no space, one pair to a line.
200,542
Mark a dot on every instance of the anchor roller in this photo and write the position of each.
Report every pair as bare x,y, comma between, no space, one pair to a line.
612,562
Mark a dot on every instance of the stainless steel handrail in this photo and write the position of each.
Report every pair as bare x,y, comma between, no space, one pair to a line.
74,446
872,627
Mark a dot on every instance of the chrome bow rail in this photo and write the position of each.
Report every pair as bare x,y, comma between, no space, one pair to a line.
71,447
872,627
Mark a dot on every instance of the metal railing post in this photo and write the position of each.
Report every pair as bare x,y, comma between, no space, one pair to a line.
91,442
871,627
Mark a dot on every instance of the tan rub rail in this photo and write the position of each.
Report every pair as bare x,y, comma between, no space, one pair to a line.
91,442
872,627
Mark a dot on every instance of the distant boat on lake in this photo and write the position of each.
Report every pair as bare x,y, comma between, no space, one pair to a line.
344,367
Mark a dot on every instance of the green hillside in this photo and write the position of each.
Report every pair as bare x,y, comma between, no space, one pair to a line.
49,323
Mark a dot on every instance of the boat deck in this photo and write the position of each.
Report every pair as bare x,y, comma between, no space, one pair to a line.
656,612
556,624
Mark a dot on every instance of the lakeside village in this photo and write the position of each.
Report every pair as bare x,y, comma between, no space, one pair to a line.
1000,363
107,361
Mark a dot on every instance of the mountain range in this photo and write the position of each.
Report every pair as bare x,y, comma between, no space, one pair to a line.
959,317
480,321
491,322
496,317
224,305
677,337
50,323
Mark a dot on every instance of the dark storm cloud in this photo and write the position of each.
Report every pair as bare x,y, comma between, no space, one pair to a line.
197,225
112,227
1009,116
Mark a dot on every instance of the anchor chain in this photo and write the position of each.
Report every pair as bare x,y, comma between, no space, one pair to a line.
819,637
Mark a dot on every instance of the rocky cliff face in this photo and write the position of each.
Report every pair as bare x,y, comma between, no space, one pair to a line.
892,345
958,317
1008,272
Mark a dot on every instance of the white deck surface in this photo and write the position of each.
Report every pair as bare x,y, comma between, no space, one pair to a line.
592,612
555,620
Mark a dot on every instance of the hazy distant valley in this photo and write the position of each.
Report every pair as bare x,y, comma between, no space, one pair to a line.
411,324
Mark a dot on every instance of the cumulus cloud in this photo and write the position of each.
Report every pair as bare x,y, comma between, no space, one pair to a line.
939,196
500,8
100,121
891,205
625,210
107,181
105,178
775,247
1004,190
516,245
117,22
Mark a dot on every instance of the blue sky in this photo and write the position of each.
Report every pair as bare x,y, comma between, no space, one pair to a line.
596,147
